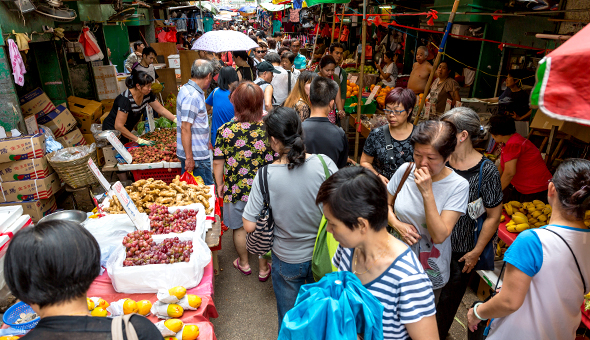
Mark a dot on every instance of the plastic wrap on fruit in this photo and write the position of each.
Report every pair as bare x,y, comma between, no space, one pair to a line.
188,332
164,296
99,302
116,308
167,310
164,330
190,302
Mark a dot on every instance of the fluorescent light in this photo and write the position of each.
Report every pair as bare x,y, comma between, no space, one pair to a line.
387,6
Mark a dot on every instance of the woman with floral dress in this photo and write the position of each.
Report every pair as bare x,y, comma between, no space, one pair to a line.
241,148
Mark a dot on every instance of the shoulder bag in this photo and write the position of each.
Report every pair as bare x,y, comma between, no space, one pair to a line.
388,143
325,245
486,259
392,229
117,328
260,241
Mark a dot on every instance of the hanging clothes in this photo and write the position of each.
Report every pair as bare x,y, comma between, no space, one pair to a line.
18,66
22,41
207,24
297,4
294,15
89,45
181,23
344,34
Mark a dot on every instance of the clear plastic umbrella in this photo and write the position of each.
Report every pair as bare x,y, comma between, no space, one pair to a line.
224,41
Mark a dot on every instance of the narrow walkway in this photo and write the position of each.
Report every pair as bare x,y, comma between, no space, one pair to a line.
247,307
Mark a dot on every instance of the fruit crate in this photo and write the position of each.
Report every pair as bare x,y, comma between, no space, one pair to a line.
166,175
365,109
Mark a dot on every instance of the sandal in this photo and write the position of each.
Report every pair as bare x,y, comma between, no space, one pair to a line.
264,278
236,264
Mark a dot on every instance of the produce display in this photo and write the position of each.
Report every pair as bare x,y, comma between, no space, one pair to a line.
154,154
352,89
142,250
527,215
381,94
146,192
164,222
370,70
501,248
161,122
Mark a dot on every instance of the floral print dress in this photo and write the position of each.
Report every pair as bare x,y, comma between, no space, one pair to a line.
243,146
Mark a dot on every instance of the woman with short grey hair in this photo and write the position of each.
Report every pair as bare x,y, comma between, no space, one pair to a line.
466,250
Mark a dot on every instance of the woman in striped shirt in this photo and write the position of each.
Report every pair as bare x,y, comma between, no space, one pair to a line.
386,266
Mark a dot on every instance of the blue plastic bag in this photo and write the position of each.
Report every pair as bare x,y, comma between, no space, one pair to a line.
336,307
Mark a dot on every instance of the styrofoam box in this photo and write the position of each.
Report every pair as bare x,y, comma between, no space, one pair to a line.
174,61
8,215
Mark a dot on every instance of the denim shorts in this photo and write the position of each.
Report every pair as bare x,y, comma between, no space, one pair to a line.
232,214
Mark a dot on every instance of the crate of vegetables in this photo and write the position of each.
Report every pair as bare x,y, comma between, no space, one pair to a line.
156,156
145,262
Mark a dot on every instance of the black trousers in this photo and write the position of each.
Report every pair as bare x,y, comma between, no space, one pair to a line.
451,295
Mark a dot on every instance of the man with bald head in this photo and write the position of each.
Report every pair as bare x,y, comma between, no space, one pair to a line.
192,132
420,71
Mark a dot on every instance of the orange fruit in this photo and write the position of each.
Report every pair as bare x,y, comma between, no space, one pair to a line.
174,325
178,291
129,307
194,301
143,307
174,310
190,332
90,304
99,311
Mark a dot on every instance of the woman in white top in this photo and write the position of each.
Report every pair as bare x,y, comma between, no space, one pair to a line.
430,201
388,74
548,268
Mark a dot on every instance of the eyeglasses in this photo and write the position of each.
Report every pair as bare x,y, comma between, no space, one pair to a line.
262,51
393,112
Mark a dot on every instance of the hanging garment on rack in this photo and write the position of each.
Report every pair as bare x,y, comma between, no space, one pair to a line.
276,26
18,67
162,36
89,45
22,40
297,4
181,23
206,24
325,33
294,15
344,34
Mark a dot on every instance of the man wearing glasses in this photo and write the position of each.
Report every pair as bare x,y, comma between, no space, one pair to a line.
300,60
260,52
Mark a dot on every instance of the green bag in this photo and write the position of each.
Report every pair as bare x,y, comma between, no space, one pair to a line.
325,245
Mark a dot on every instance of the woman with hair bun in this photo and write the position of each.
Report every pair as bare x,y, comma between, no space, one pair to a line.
240,149
130,105
548,268
388,147
293,183
430,201
469,164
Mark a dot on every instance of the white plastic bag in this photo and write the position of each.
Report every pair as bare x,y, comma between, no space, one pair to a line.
164,330
109,231
116,308
150,278
165,297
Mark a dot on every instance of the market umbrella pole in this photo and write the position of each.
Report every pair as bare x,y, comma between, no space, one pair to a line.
437,60
361,83
342,20
333,25
316,36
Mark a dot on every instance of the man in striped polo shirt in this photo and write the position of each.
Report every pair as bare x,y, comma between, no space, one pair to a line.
192,134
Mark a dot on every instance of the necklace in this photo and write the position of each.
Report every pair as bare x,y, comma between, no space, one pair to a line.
355,260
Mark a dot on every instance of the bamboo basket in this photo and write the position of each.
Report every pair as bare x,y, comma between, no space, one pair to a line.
75,173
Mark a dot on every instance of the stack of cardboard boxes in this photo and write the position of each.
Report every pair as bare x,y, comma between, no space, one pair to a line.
26,178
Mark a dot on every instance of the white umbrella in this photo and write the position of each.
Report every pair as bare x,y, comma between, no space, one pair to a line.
224,41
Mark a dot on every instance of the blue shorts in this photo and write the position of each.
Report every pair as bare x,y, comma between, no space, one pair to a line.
232,214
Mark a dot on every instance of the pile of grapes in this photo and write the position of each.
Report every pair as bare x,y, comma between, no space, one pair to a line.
142,250
163,222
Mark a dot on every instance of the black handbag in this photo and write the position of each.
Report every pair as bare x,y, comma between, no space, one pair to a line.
486,259
260,241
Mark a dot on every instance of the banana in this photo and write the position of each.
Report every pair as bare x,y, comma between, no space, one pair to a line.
522,227
519,219
508,209
537,214
540,207
587,223
533,221
515,204
522,210
511,222
498,250
518,213
531,208
502,218
587,216
547,210
511,228
529,216
538,224
542,218
537,202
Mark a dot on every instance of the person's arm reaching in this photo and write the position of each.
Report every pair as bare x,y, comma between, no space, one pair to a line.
120,121
508,172
163,111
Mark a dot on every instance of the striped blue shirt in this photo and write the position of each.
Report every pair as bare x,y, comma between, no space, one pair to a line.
404,289
190,107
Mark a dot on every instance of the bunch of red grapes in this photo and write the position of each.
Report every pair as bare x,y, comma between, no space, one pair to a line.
142,250
163,222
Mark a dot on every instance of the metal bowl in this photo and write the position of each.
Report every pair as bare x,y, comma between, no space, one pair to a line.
66,215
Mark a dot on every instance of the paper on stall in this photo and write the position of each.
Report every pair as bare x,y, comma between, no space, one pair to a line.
8,215
151,278
129,207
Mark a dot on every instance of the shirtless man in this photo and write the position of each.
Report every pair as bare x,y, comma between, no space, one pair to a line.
420,71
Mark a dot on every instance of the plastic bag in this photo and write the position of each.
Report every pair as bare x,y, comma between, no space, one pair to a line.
109,232
189,178
51,144
72,153
164,330
151,278
160,309
165,297
336,307
116,308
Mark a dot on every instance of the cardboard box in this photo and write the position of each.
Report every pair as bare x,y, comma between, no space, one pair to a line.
105,78
37,209
74,138
110,155
22,147
89,138
103,117
121,150
31,124
60,120
31,189
99,157
86,112
107,105
36,102
579,131
34,168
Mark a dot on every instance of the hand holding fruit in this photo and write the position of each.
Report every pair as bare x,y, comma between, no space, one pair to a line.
142,141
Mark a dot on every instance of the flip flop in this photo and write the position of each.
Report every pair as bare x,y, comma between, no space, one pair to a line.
265,277
236,264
